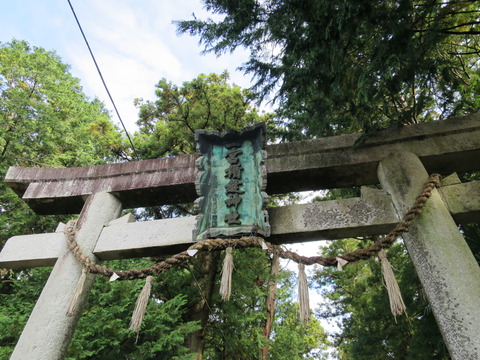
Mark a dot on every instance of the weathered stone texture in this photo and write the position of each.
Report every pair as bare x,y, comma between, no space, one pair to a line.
444,263
149,238
47,334
443,146
371,214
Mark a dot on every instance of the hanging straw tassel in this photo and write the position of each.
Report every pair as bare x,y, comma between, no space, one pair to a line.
72,305
226,282
303,297
397,306
141,306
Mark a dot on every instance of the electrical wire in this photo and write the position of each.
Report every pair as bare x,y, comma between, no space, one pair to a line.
101,76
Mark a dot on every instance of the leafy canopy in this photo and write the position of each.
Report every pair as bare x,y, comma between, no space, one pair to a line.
357,301
349,65
167,125
230,329
46,121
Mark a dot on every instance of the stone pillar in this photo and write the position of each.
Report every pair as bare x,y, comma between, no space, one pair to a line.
47,334
444,263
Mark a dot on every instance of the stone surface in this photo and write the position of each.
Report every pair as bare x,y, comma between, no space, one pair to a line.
47,334
445,265
335,219
325,220
26,251
136,183
451,179
463,200
372,214
148,238
443,146
125,219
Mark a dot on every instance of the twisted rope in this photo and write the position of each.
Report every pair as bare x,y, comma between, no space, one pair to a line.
254,241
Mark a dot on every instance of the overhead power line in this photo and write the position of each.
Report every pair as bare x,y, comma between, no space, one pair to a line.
101,76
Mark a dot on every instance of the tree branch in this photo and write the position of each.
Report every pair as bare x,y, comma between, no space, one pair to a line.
209,111
471,32
464,24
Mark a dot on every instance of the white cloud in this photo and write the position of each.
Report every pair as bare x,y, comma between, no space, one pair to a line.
134,42
136,45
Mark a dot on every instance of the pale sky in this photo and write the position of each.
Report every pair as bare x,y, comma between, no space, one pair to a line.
135,45
134,42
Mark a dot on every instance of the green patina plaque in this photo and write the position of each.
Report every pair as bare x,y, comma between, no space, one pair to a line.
231,183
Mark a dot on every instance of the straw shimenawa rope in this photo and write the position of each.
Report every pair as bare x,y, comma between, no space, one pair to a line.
397,306
253,241
303,297
227,270
141,305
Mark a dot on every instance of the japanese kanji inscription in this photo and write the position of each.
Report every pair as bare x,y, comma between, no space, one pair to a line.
231,183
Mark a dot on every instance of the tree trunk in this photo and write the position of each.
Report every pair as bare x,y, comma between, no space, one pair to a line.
270,305
206,265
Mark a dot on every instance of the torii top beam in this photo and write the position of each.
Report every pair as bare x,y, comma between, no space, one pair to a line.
443,146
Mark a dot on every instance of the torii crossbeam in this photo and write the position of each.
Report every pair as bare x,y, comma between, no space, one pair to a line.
398,159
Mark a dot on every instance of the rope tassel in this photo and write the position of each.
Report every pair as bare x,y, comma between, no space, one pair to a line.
72,305
227,270
141,305
397,306
303,297
252,241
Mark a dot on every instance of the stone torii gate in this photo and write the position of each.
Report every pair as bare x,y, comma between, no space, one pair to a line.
398,159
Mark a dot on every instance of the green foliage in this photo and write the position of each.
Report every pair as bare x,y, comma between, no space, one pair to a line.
359,303
45,120
103,333
293,340
18,293
472,236
349,65
167,126
234,329
296,341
